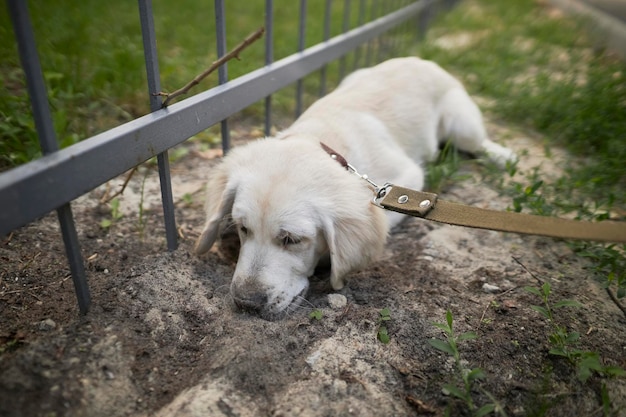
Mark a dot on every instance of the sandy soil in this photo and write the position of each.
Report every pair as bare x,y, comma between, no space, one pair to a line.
162,337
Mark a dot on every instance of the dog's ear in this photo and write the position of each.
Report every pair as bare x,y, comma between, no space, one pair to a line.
354,240
220,198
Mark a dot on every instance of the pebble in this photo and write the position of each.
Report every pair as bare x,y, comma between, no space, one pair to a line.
337,301
312,359
490,289
47,324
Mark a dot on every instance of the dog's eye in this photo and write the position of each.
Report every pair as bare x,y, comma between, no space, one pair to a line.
244,230
290,240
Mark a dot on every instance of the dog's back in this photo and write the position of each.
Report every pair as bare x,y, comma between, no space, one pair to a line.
408,102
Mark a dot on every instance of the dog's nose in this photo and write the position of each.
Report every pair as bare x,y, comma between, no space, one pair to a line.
254,301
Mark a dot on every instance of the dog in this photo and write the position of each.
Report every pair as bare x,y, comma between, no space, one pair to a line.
294,206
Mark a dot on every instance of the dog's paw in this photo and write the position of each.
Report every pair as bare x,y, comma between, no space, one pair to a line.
499,154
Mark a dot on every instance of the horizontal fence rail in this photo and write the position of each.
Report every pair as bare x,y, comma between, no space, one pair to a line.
36,188
60,176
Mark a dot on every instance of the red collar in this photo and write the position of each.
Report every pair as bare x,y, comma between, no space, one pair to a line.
336,156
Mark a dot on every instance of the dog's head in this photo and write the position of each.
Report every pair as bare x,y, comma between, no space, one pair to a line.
292,205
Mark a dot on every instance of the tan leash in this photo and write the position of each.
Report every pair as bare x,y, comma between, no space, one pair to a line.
429,206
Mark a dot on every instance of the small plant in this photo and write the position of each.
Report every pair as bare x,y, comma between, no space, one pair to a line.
142,221
187,198
468,376
565,343
316,314
609,261
116,214
384,315
445,170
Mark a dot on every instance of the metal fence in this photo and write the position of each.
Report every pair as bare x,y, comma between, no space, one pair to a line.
51,182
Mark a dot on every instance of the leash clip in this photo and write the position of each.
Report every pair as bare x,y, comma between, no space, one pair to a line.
353,170
380,193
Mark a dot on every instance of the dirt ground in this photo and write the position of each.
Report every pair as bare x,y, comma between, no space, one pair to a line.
162,337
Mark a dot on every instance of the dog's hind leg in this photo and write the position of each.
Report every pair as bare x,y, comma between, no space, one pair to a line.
462,123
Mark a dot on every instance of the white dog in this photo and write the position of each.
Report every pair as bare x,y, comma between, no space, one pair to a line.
293,205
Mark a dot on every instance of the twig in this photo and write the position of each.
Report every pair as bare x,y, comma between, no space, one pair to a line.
106,198
33,295
8,239
215,65
30,261
527,270
616,301
21,290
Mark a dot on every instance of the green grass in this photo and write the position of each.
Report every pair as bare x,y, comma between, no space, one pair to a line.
546,73
92,58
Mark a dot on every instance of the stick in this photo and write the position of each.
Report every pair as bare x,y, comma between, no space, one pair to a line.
616,301
106,197
527,270
215,65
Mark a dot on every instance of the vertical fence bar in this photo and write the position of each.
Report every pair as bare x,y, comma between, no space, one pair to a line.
360,21
47,140
345,26
222,72
370,44
269,59
424,20
326,36
148,33
394,33
301,44
381,49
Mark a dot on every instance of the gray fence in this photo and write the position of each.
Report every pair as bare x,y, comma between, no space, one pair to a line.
60,176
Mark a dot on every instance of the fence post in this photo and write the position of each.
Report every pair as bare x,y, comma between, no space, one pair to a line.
222,72
154,86
269,58
47,139
301,45
345,26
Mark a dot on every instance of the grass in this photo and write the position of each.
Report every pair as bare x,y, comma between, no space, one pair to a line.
92,59
544,72
565,343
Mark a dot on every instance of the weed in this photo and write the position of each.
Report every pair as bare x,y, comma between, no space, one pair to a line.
142,221
551,199
11,344
564,343
187,198
384,316
577,101
468,376
116,214
316,314
608,261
